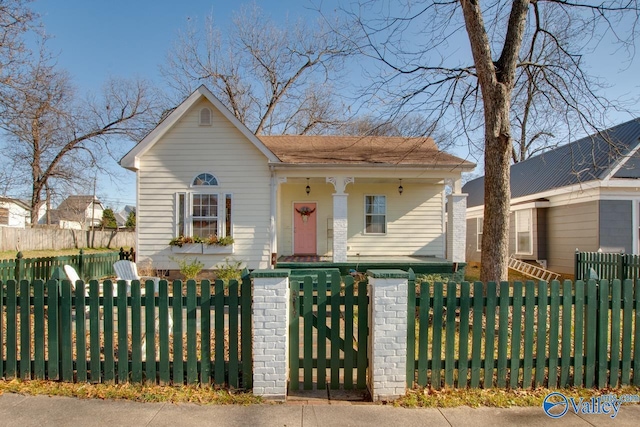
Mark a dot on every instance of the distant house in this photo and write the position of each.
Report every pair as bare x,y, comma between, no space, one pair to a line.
583,195
14,213
123,215
78,212
202,173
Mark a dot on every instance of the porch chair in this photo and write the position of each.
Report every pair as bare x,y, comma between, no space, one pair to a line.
74,278
127,270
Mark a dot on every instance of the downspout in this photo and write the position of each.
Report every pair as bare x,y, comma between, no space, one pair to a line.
273,211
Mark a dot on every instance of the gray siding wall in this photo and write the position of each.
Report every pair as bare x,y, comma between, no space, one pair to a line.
570,227
616,221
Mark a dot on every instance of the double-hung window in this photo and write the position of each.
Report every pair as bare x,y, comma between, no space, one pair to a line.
524,227
480,225
204,210
375,208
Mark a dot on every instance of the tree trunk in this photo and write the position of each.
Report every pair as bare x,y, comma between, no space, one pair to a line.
497,161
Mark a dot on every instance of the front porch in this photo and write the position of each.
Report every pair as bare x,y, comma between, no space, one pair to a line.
360,264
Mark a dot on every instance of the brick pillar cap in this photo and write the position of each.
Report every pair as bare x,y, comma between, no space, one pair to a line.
283,272
388,274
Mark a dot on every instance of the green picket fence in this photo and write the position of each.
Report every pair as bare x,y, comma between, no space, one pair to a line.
606,266
94,265
524,335
328,332
186,334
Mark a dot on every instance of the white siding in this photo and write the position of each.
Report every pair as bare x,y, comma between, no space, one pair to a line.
18,216
414,219
169,167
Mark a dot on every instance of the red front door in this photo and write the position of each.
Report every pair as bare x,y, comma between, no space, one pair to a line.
304,228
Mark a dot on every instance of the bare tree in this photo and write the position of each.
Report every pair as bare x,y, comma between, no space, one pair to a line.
273,78
16,19
58,136
475,87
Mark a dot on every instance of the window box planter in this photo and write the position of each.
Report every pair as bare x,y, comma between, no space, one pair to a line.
187,248
217,249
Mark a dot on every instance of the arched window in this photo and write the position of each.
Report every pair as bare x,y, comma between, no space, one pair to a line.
205,117
205,179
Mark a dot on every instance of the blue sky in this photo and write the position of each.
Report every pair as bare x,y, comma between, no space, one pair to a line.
98,39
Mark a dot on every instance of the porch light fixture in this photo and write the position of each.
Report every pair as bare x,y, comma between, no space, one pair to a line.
400,187
308,189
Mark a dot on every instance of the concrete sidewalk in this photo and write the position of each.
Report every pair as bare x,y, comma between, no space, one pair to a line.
19,410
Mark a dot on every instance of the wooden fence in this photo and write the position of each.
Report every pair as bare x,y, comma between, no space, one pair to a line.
524,335
188,333
331,318
606,266
44,238
88,266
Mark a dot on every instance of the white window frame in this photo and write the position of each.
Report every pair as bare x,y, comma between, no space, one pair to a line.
187,213
366,214
519,250
479,230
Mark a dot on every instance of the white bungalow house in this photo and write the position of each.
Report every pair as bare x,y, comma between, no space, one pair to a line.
14,213
78,212
202,172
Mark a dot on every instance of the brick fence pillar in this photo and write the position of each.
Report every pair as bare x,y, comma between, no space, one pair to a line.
270,333
388,333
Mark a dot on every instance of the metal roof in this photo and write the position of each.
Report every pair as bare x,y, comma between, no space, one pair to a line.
587,159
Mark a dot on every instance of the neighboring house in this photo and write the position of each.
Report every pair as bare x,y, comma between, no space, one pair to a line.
584,195
14,213
202,172
123,215
78,213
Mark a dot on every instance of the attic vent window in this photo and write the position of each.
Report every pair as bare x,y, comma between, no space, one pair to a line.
205,117
205,179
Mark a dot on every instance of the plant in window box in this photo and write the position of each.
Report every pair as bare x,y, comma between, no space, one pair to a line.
186,245
215,245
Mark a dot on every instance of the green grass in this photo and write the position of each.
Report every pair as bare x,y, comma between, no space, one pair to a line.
132,392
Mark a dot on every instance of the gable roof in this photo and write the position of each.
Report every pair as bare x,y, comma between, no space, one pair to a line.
73,208
130,160
609,154
365,150
20,203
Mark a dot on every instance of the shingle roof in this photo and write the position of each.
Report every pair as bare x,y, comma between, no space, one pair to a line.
308,149
587,159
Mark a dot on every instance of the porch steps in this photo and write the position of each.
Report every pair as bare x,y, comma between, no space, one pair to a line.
532,270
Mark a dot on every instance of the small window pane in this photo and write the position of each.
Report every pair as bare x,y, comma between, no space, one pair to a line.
205,179
227,218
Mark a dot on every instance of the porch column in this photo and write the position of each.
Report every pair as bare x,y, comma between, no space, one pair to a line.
340,217
388,305
270,316
456,227
273,231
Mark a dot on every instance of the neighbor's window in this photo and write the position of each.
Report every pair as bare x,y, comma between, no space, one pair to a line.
523,232
203,211
479,223
4,216
375,208
205,117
